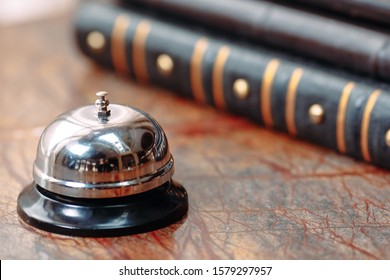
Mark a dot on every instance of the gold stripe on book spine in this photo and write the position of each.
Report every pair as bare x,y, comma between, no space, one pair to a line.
196,70
218,73
139,51
290,100
118,44
266,92
341,115
366,124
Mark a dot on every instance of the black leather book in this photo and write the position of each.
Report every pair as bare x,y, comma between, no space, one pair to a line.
323,106
375,11
314,36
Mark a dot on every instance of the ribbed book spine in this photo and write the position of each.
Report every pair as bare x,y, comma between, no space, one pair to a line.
319,106
376,11
314,36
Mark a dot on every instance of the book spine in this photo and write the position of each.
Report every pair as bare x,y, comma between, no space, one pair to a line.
319,106
376,11
317,37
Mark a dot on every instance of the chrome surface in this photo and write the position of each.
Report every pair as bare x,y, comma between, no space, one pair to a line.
79,155
102,106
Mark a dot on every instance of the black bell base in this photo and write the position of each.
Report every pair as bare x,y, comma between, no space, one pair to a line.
108,217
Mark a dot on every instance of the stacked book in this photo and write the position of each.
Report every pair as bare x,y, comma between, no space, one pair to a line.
319,73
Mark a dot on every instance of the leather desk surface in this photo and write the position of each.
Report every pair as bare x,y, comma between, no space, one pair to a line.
254,193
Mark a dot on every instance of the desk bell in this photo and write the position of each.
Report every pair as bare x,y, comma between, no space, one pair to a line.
103,170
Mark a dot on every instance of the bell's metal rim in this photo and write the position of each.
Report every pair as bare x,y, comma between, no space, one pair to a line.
105,190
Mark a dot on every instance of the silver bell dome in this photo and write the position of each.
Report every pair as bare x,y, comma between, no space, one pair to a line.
102,152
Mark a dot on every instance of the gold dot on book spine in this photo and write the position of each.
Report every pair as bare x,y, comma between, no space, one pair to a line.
165,64
241,88
316,114
96,41
387,138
